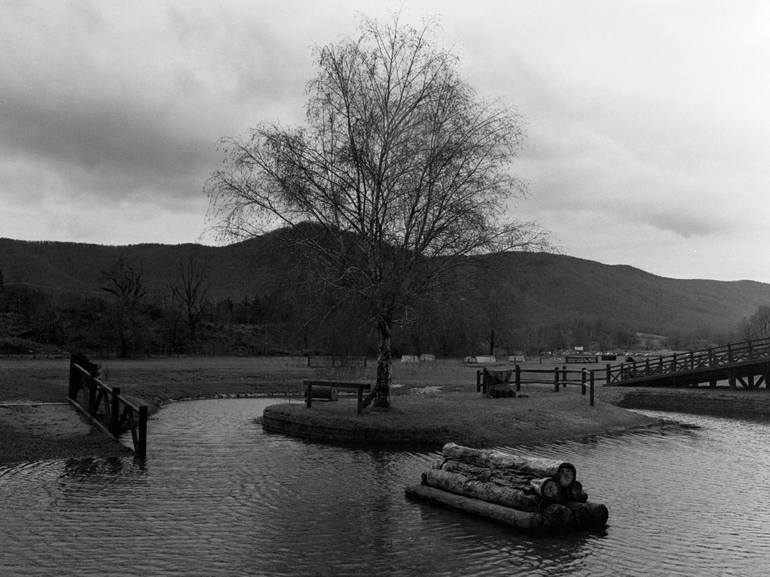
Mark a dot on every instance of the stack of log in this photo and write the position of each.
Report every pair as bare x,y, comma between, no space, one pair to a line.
529,493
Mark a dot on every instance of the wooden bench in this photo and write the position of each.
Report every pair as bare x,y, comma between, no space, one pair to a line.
360,387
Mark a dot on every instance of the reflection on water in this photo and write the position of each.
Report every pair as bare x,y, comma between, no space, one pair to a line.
217,496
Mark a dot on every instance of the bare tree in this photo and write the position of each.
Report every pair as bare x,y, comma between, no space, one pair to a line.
125,284
191,290
399,172
757,325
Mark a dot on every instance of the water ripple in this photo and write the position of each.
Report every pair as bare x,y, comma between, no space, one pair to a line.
217,496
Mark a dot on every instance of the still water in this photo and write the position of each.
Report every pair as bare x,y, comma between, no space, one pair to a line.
217,496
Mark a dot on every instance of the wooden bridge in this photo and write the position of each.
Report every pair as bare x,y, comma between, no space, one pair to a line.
104,406
746,364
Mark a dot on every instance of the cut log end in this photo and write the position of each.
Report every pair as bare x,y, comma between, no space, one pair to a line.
566,474
589,515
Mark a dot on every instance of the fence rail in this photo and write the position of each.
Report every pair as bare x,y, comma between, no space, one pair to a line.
112,413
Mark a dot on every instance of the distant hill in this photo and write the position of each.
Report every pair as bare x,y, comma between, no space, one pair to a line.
523,292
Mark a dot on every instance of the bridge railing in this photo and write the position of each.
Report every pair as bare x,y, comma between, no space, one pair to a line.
713,357
105,407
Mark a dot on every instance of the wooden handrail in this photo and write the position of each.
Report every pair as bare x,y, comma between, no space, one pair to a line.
705,358
119,413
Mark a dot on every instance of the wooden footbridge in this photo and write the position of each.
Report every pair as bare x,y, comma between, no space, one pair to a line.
746,364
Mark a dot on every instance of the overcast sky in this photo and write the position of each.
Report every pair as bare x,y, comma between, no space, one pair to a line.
648,121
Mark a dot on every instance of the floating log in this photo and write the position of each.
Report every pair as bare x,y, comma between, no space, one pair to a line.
563,472
545,487
491,492
589,515
558,517
523,520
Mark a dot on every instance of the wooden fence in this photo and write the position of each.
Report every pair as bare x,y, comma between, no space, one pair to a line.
558,376
105,407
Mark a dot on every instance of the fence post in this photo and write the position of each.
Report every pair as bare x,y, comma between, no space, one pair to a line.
556,379
518,378
673,363
478,380
729,353
609,374
583,381
692,360
115,411
592,388
647,366
564,375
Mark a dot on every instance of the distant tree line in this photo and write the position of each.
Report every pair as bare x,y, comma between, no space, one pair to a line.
298,315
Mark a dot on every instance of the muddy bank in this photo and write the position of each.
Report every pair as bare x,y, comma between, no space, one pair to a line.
467,418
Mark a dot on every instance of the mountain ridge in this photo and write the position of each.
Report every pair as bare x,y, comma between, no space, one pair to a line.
522,291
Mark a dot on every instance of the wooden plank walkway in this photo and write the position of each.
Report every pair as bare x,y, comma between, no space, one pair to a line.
746,364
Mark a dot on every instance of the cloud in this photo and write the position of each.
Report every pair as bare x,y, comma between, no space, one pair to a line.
646,122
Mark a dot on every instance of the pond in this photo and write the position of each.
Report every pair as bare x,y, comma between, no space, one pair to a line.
218,496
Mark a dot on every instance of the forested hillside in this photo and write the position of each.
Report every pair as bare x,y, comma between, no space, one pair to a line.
262,296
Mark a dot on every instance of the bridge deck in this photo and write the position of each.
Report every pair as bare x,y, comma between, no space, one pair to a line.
746,363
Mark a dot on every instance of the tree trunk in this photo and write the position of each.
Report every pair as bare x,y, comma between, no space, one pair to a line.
381,392
562,472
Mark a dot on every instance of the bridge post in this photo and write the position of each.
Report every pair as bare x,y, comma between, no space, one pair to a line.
673,363
711,356
140,449
518,378
91,395
729,353
74,384
660,364
115,412
731,378
647,367
692,360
